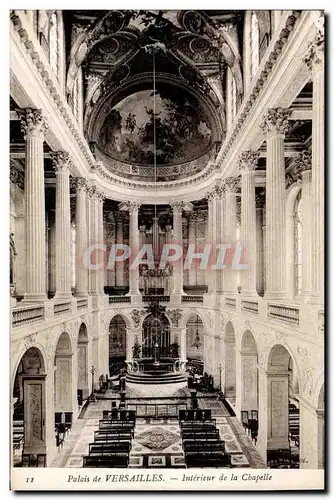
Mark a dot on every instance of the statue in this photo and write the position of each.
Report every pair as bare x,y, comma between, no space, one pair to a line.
12,255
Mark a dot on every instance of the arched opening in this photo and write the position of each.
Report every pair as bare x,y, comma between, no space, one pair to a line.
195,342
321,428
230,363
156,336
283,410
83,375
64,399
29,436
249,385
117,344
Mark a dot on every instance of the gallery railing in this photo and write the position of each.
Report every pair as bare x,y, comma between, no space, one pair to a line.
27,314
288,314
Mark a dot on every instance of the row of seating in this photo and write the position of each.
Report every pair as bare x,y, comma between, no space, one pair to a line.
294,424
112,441
190,415
201,441
120,415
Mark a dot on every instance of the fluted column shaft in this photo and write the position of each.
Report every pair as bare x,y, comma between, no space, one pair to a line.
274,125
95,286
222,237
307,233
247,165
61,164
101,271
177,240
315,61
33,126
259,245
213,274
230,283
134,238
119,241
81,237
192,241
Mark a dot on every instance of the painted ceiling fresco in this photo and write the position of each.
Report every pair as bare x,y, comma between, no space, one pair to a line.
168,118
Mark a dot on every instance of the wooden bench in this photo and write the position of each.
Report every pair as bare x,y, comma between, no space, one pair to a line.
114,438
203,447
111,461
199,434
109,448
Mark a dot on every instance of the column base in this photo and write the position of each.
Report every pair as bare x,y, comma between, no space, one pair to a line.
62,296
34,297
136,297
278,443
249,294
275,296
317,300
175,298
81,295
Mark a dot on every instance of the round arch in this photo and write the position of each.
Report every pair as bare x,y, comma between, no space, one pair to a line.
82,364
283,407
117,342
63,381
188,314
28,399
195,338
230,361
292,194
156,334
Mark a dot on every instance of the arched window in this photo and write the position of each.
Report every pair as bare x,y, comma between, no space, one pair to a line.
53,43
233,98
298,243
77,96
254,38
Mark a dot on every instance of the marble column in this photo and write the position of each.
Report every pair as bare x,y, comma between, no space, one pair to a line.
247,164
119,241
177,240
311,430
52,251
260,201
33,126
304,165
101,271
83,366
274,125
213,274
89,195
95,239
231,186
81,237
221,236
278,411
134,240
110,242
192,241
315,61
61,165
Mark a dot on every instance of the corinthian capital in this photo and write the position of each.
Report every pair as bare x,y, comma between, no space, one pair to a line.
247,161
132,206
33,123
315,55
61,162
79,184
304,160
177,206
275,121
231,184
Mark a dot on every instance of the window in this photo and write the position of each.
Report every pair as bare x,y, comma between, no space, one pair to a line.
53,43
233,98
298,244
254,44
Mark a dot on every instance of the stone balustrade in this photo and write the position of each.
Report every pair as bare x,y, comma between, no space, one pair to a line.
156,298
82,303
27,314
192,298
230,302
250,306
284,313
62,308
119,299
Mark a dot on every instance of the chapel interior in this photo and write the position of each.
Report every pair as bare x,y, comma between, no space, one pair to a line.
132,128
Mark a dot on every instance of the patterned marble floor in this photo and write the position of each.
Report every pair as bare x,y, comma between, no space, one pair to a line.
157,443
